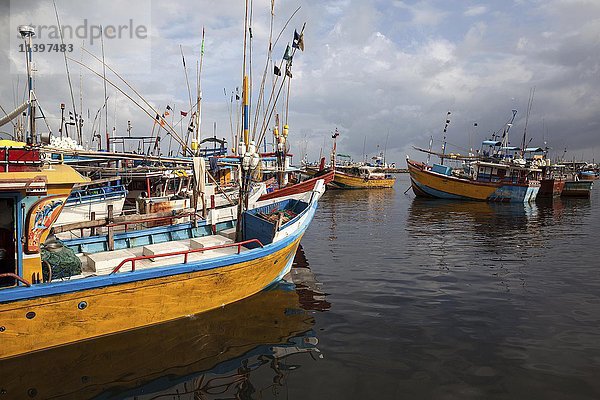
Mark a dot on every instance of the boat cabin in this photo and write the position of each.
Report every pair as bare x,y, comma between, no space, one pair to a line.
32,195
505,172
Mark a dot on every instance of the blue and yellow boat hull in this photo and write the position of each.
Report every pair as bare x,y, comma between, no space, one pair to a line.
426,183
51,315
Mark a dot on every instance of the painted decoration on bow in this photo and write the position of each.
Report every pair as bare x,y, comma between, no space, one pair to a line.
41,217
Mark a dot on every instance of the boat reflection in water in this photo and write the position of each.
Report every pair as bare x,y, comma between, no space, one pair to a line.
481,234
224,353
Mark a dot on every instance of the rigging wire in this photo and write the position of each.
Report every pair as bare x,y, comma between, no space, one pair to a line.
62,41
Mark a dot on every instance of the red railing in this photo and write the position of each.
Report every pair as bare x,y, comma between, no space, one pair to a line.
17,277
184,253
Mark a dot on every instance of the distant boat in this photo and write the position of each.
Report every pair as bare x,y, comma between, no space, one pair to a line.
361,177
588,175
355,177
577,188
552,182
485,181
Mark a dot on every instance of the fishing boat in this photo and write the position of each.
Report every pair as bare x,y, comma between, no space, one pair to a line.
577,188
32,195
361,177
484,181
551,186
350,175
495,174
588,174
552,176
93,200
146,273
209,348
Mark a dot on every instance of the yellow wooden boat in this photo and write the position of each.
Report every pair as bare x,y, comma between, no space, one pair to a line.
183,350
356,177
488,182
361,177
146,280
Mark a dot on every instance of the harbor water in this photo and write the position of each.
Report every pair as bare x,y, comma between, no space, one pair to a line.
391,297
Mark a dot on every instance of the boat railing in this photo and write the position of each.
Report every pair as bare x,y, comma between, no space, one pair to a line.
79,196
184,253
15,276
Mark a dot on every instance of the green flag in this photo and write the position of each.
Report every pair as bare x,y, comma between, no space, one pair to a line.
288,53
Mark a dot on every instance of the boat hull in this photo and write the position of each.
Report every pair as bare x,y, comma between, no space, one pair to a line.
577,188
426,183
56,319
347,181
551,187
179,349
298,188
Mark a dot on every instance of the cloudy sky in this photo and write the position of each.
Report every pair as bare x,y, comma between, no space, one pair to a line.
384,73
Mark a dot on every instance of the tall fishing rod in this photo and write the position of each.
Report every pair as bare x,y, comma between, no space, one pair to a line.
95,119
177,138
272,108
507,127
81,88
268,106
62,41
105,97
261,99
187,82
529,105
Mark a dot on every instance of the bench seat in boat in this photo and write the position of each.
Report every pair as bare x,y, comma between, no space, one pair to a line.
209,241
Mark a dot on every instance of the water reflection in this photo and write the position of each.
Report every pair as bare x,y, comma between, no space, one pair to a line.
242,350
369,207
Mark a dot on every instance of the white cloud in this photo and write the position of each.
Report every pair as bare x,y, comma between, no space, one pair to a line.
369,68
475,11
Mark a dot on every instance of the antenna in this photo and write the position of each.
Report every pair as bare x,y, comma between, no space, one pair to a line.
27,32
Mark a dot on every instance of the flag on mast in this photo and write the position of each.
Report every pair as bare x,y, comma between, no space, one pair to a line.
298,40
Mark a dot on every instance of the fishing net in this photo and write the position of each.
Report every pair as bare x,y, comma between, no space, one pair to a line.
59,261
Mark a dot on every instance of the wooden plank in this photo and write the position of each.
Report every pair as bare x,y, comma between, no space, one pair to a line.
136,218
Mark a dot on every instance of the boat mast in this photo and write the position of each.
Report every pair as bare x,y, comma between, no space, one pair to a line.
196,140
334,136
244,147
445,130
529,105
508,125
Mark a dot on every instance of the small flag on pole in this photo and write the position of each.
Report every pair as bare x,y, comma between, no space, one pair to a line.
277,71
202,46
288,53
183,113
298,41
